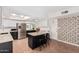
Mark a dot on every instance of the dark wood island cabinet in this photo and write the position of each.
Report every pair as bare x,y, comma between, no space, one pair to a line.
36,39
6,47
6,43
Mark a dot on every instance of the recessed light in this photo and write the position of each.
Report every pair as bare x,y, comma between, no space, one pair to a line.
26,17
13,14
22,15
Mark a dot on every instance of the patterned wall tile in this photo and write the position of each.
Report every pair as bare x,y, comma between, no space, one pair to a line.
69,29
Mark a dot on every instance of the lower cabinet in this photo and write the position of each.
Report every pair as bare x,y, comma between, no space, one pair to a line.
36,41
6,47
14,35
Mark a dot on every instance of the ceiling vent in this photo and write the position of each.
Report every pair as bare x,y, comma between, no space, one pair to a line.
65,12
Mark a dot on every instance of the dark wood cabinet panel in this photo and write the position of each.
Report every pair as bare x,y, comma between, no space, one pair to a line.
36,41
6,47
14,35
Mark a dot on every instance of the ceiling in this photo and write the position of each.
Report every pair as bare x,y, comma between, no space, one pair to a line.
34,12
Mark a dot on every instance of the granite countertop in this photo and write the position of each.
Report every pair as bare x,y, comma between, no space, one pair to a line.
5,37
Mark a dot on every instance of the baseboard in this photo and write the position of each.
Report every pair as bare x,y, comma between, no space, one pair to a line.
67,42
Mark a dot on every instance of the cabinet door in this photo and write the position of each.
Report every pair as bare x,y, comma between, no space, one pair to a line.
14,35
6,47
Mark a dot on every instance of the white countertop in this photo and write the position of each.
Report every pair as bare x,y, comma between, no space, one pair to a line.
5,38
37,33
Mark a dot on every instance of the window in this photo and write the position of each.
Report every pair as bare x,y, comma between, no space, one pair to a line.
9,23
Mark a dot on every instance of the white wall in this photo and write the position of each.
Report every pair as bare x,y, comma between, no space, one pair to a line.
52,21
0,17
53,28
42,24
71,11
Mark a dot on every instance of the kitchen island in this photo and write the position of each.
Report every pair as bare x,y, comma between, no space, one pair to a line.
37,39
6,41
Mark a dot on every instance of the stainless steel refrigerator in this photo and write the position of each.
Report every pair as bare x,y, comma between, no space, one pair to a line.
21,30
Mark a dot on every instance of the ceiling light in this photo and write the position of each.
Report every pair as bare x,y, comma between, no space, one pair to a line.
22,15
13,14
26,17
